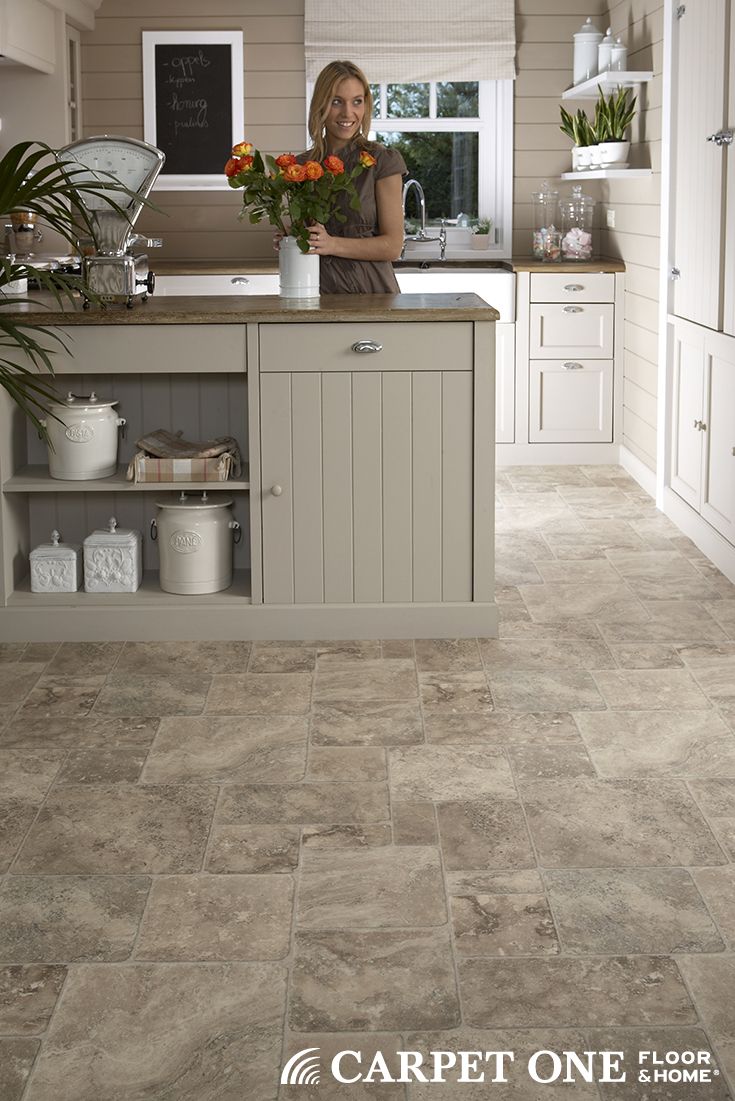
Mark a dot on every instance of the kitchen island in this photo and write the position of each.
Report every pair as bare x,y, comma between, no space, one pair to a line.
367,500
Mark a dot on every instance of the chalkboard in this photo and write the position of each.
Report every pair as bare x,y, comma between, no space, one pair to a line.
193,103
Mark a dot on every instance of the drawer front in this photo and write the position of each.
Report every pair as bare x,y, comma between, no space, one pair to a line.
151,349
555,287
403,346
570,402
564,330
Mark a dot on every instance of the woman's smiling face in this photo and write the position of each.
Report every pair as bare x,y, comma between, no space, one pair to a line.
346,112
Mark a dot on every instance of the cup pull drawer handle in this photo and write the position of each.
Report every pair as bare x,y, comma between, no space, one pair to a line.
572,309
573,367
573,287
367,346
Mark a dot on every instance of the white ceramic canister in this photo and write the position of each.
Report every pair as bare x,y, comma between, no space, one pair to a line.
113,560
299,271
195,539
586,41
619,56
83,440
604,52
56,567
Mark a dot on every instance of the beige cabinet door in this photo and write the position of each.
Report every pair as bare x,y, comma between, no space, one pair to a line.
570,401
699,165
367,483
686,434
718,435
571,330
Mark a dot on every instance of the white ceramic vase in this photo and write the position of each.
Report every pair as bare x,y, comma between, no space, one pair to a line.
581,155
480,240
298,271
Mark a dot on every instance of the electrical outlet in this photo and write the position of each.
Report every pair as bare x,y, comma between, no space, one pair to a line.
611,219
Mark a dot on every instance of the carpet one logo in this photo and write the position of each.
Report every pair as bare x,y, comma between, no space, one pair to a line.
303,1069
465,1067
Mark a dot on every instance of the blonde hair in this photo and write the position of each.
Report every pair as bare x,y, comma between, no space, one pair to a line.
324,90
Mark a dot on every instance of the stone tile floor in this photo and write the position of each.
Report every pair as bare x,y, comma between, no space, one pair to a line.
215,855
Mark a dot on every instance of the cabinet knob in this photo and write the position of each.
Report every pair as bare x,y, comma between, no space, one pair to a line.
696,424
572,309
276,490
702,426
573,287
367,346
573,367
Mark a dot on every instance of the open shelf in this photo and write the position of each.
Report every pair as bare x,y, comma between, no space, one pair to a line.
36,479
606,174
149,595
608,82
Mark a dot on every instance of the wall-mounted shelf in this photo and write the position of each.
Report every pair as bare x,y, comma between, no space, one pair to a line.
608,82
36,479
607,174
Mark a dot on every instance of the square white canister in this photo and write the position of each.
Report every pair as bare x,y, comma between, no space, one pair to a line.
113,560
56,567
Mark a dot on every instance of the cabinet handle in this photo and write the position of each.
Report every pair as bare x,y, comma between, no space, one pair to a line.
276,490
367,346
573,367
572,309
703,426
697,424
573,287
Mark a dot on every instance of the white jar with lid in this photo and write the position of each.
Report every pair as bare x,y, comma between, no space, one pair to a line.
604,52
586,41
195,541
56,567
83,437
113,561
619,56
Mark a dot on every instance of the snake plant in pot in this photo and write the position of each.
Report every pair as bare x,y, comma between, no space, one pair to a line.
33,182
579,129
613,116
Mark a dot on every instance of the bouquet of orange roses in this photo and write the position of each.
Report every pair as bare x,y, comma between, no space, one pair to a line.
292,196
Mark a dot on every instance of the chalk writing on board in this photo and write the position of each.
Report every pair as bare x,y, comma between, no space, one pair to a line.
193,106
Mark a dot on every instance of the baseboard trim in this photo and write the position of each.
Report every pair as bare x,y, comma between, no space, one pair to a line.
709,541
643,474
556,454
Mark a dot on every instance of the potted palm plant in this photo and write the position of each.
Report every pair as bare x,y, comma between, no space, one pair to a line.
33,182
613,116
579,129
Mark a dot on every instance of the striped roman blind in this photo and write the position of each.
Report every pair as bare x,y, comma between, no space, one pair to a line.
411,40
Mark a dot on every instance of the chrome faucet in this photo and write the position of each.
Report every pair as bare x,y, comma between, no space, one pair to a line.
422,235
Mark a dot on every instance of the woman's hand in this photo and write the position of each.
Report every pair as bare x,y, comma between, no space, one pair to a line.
320,241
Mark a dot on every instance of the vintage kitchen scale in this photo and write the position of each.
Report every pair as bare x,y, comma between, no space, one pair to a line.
113,272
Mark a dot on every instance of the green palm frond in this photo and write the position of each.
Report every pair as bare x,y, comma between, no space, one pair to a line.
33,179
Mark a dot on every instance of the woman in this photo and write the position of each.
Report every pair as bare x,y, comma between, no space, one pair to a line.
355,255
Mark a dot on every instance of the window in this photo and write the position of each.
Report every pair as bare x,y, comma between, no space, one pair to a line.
73,85
456,139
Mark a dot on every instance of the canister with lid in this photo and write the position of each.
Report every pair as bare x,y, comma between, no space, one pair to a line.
546,225
195,539
604,52
56,567
586,41
577,214
83,437
619,56
113,561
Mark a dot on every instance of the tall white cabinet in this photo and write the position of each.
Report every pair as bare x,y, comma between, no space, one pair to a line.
701,320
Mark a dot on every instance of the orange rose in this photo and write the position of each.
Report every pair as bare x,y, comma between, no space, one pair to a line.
233,166
294,173
314,170
334,165
285,160
242,149
366,160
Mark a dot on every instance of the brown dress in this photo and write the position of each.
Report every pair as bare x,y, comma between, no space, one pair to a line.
337,274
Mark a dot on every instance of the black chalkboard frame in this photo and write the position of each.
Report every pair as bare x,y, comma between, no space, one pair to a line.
192,44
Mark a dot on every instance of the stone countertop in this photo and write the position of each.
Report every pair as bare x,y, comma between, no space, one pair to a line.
270,267
237,310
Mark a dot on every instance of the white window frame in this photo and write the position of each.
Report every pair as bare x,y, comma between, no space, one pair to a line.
494,127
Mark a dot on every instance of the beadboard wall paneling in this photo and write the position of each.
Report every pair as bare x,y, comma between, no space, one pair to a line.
195,224
636,237
545,58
